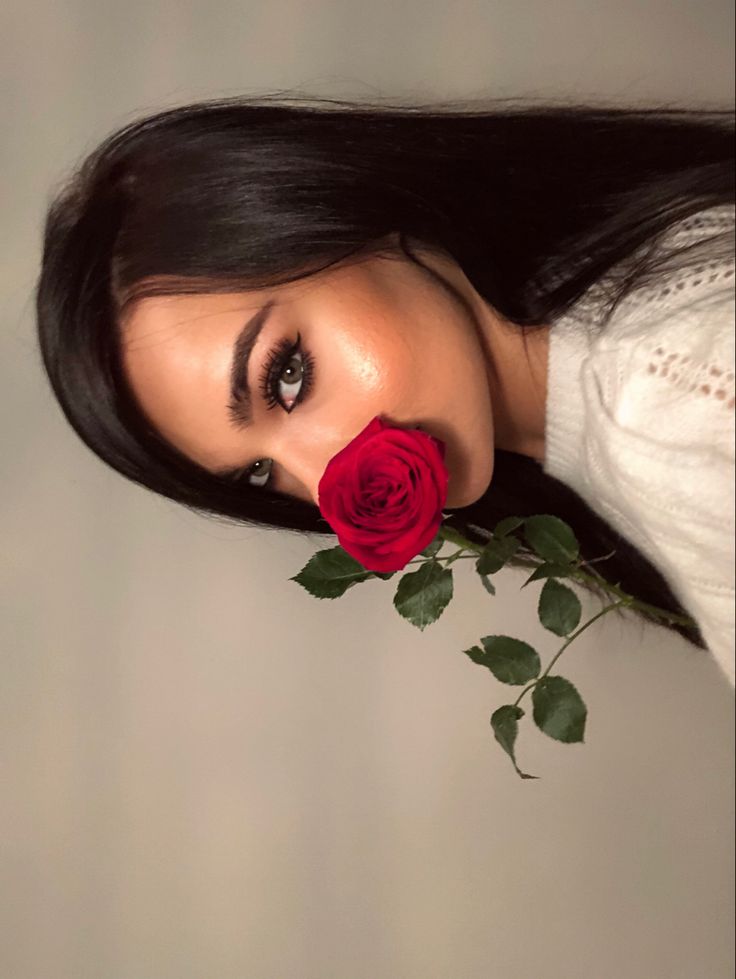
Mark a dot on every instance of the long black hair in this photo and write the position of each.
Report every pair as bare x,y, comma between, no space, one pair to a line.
536,203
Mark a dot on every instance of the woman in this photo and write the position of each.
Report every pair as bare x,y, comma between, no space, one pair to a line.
231,290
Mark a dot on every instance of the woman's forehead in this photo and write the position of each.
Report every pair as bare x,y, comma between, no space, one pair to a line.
168,310
161,310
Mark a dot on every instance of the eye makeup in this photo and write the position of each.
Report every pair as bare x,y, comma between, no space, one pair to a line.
277,361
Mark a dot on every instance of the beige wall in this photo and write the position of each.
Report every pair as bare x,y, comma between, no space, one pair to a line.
207,773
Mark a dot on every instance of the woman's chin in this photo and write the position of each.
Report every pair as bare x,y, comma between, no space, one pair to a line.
470,490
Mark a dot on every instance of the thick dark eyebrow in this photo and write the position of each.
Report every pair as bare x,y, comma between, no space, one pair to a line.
239,407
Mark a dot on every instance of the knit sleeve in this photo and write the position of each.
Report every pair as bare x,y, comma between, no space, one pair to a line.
658,450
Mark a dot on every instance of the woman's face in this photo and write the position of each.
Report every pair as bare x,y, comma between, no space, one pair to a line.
380,338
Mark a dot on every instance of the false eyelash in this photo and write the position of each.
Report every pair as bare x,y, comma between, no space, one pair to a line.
277,360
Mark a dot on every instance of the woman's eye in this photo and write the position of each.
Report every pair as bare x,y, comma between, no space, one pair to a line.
294,372
261,470
288,366
286,381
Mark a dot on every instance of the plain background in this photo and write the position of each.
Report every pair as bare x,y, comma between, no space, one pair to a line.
207,773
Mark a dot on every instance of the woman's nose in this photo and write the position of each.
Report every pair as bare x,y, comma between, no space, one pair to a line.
306,466
307,452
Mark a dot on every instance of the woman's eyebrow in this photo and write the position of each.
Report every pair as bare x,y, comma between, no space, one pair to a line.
240,404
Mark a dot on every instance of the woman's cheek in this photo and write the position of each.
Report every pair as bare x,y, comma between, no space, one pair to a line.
357,364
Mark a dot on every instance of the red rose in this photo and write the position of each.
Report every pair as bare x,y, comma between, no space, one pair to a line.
383,495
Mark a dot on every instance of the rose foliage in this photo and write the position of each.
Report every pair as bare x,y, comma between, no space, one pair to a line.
383,495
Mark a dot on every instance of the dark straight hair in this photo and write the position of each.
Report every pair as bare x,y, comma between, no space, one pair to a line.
539,204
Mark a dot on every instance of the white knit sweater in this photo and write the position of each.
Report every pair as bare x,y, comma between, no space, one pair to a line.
640,424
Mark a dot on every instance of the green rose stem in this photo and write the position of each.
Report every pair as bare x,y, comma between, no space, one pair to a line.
505,719
465,545
456,538
422,595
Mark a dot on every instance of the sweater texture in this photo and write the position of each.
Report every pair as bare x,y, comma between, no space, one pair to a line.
640,420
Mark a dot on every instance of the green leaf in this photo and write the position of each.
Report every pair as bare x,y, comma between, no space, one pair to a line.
504,722
552,539
423,595
384,575
506,525
433,548
488,584
511,660
329,573
559,710
548,571
477,655
559,608
495,554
